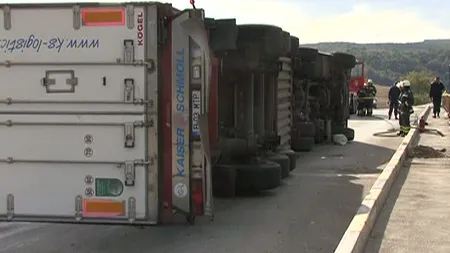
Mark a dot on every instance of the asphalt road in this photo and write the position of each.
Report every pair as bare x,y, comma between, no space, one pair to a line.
309,213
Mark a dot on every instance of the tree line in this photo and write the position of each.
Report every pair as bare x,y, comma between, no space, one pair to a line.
388,62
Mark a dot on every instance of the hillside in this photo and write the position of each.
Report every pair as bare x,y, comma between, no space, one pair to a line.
387,62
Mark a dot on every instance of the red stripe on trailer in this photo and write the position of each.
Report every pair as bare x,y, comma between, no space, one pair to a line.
166,66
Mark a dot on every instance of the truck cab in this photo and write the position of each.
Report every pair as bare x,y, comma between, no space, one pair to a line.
357,80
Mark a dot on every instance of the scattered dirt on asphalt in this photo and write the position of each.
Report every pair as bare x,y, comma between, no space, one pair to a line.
421,151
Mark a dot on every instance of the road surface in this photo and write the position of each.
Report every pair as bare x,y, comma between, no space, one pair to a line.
416,215
309,213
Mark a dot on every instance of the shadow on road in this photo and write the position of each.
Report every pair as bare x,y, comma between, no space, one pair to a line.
373,117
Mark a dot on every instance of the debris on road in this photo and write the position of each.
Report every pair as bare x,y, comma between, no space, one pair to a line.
421,151
340,139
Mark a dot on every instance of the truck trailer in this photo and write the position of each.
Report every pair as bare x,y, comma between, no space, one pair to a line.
136,113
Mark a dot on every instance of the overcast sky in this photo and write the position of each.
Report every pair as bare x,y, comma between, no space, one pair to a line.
335,20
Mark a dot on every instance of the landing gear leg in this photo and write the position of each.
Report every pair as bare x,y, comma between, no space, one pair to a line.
190,219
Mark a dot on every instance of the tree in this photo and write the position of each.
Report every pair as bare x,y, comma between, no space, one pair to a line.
420,85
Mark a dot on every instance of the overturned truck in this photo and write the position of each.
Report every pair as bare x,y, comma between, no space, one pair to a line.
275,98
129,101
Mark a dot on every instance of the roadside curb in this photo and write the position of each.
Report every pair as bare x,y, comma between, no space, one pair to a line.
355,237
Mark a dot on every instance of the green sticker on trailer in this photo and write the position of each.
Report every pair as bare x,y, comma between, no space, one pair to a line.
108,187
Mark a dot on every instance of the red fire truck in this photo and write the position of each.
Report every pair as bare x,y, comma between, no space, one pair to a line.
356,82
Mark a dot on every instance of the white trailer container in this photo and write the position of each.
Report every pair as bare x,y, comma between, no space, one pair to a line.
95,120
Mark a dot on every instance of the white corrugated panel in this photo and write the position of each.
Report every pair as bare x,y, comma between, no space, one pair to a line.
284,103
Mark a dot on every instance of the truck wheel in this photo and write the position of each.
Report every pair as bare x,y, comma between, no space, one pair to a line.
307,54
264,175
295,43
292,158
303,144
224,180
347,61
286,43
306,129
307,70
268,39
283,161
349,133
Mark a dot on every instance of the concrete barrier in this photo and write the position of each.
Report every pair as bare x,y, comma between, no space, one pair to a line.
358,232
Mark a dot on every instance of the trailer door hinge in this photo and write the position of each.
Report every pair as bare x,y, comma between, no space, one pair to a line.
131,209
130,16
129,135
130,173
9,206
76,17
78,208
6,17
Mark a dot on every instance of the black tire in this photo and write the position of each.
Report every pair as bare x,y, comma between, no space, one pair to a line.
319,136
268,40
305,129
347,61
292,158
295,43
265,175
283,161
286,43
235,148
349,133
307,70
224,180
307,54
303,144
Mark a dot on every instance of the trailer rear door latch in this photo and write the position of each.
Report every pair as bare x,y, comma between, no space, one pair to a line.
130,173
129,90
128,51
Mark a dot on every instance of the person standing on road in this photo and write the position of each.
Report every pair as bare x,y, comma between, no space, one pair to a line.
436,90
394,93
362,93
406,102
371,92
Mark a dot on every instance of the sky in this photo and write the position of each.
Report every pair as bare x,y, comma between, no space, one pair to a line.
359,21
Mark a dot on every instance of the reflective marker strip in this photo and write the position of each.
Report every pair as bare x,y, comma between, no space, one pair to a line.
103,208
103,17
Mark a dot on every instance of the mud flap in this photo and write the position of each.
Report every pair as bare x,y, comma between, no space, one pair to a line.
195,28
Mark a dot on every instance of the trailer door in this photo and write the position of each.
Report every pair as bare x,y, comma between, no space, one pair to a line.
78,141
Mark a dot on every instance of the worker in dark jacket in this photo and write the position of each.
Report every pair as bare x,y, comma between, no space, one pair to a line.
406,102
394,93
436,90
371,93
361,103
